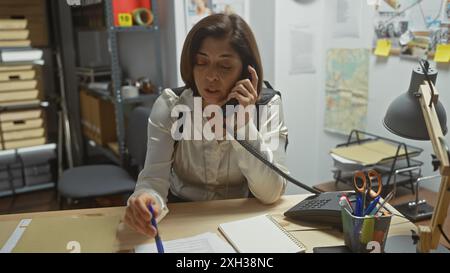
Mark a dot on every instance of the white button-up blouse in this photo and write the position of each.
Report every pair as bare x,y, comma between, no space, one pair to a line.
200,170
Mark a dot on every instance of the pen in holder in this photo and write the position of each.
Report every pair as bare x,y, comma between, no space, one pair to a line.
365,234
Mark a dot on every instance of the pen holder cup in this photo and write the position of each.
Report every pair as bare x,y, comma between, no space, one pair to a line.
365,234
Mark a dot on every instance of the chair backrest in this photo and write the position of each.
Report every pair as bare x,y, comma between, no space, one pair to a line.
137,135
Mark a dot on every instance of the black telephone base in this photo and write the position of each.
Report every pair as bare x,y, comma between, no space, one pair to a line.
321,209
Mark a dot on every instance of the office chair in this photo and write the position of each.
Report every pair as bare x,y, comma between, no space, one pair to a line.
87,182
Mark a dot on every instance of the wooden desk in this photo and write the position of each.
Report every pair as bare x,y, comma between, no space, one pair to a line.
188,219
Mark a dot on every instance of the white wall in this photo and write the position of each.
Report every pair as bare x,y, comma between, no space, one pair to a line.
300,92
304,95
308,157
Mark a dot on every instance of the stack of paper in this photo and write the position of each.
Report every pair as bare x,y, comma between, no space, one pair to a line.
368,153
20,55
203,243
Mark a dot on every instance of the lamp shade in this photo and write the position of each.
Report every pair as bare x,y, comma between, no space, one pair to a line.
404,115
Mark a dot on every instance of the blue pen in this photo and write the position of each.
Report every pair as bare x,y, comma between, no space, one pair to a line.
372,206
158,240
359,206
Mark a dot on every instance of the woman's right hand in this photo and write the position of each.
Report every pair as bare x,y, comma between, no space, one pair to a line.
138,216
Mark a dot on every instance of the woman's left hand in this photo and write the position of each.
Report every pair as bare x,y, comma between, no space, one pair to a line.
245,93
245,90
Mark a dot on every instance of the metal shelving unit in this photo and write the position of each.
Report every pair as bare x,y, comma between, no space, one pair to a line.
31,156
116,72
116,76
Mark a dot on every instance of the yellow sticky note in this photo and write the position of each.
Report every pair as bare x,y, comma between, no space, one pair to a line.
125,19
383,47
442,54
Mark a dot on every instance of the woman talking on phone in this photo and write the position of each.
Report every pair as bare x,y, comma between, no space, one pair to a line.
220,62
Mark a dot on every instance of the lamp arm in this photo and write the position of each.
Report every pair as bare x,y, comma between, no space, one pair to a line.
430,235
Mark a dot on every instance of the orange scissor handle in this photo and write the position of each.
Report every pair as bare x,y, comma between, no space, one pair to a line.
372,175
361,175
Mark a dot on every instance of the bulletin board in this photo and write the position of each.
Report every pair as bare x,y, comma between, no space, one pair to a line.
414,29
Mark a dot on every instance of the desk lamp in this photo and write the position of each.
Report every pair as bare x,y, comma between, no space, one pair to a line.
419,115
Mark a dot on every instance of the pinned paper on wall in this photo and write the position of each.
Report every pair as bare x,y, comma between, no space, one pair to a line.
383,47
347,19
239,7
442,54
446,17
195,10
302,51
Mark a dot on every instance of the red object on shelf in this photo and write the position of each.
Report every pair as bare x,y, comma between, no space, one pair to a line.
127,6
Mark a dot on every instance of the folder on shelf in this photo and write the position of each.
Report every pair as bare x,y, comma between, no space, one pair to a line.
15,43
17,85
23,134
368,153
21,34
20,115
19,95
13,24
24,143
23,125
260,234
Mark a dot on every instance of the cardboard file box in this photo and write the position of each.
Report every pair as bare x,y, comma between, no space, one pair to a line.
14,144
11,24
20,34
8,126
10,68
17,85
22,129
18,96
17,75
16,116
15,43
97,119
33,12
22,134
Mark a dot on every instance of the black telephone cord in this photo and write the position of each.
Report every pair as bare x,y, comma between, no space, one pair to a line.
256,154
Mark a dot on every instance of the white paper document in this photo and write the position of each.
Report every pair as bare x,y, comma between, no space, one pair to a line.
302,51
203,243
347,19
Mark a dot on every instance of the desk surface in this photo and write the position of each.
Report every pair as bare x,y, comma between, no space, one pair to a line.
188,219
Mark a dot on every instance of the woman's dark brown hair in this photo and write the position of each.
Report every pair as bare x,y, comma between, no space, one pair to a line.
221,26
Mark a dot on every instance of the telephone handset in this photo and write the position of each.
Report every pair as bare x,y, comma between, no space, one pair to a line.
234,102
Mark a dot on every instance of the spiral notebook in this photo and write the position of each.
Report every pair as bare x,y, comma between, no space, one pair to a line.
260,234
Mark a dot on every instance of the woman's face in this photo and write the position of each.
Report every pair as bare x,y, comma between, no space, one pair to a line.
216,70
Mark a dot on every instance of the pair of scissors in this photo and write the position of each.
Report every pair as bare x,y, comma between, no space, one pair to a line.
363,187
